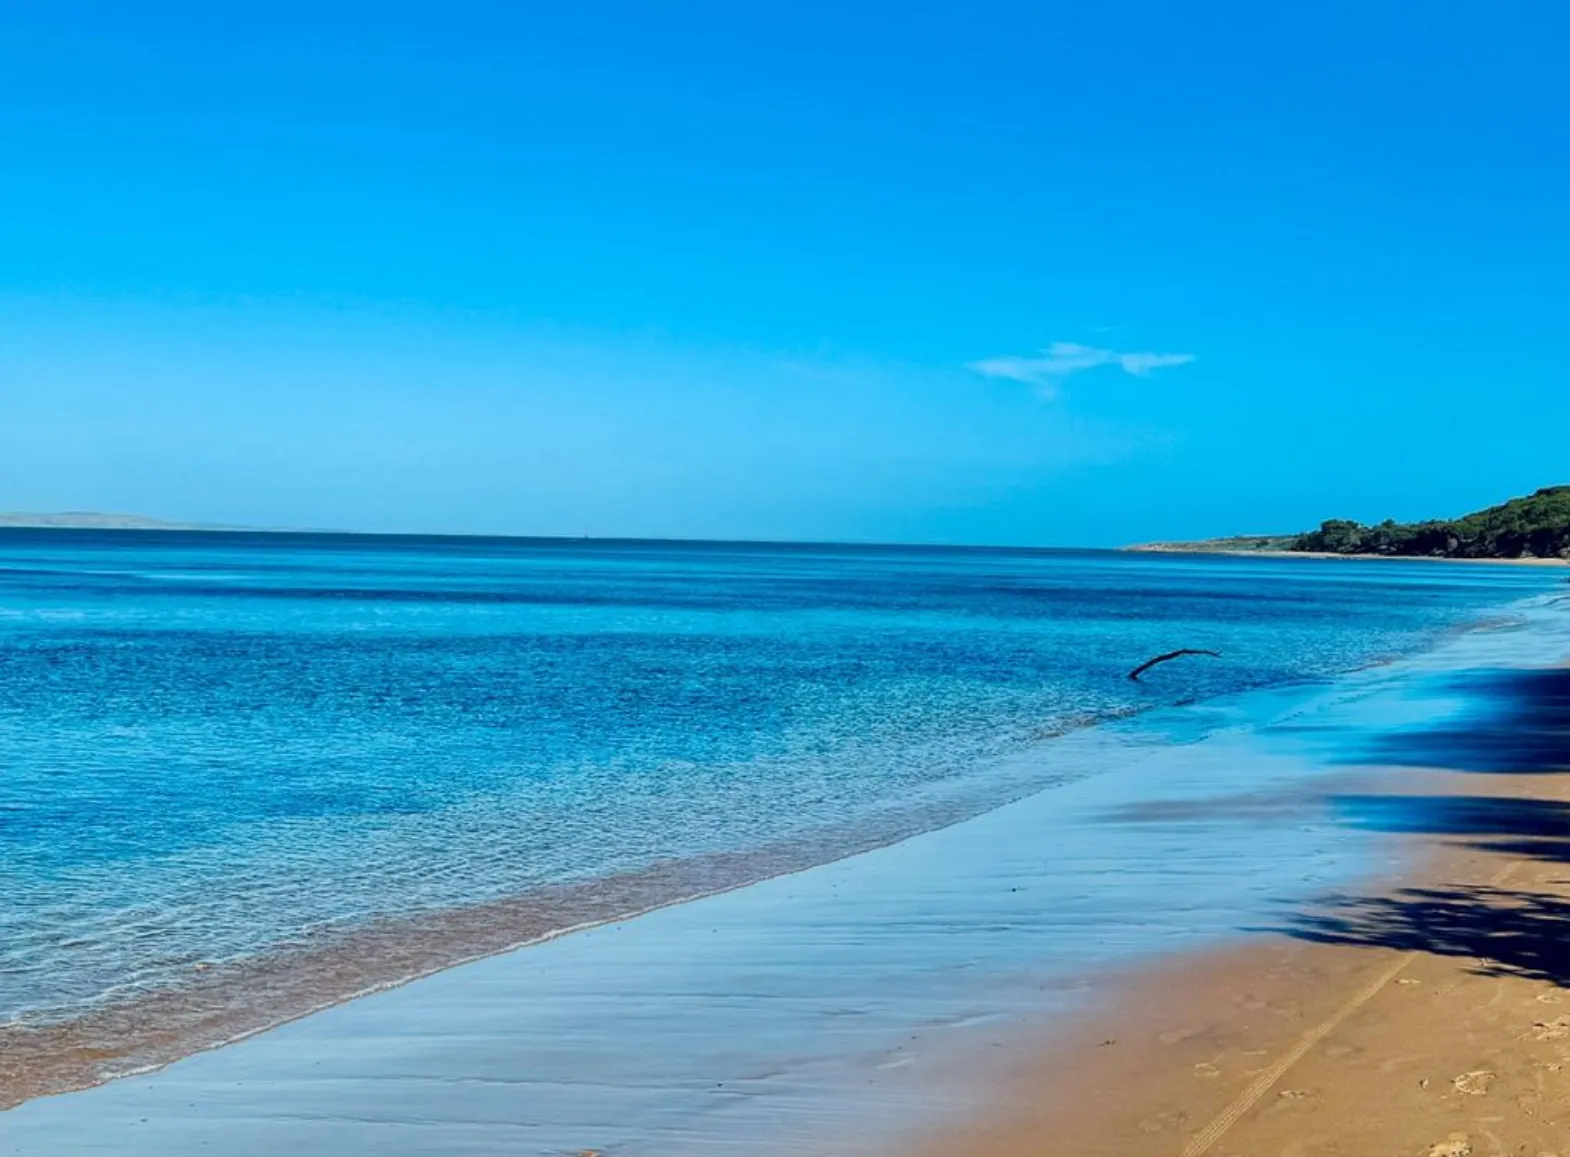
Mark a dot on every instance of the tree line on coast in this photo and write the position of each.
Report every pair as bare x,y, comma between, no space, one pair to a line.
1536,526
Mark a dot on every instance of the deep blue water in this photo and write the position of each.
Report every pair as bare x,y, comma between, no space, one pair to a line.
213,744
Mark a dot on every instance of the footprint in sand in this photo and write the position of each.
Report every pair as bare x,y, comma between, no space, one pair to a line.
1457,1146
1475,1083
1556,1029
1162,1122
1206,1069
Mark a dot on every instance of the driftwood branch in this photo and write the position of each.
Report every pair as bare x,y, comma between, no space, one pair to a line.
1143,667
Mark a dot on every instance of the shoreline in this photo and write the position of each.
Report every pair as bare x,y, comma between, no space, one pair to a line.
227,1002
785,961
830,996
1202,549
224,1002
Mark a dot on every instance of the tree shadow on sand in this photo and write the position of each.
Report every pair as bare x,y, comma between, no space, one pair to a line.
1524,828
1506,933
1522,725
1519,723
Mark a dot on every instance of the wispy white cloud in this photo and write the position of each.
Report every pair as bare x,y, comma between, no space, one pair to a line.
1047,369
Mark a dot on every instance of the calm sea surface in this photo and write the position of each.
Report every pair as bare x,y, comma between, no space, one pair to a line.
214,746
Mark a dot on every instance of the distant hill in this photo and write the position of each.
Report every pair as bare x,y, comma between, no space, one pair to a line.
96,520
1537,526
1247,543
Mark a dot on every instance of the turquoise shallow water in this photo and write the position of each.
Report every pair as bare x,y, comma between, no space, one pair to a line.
215,746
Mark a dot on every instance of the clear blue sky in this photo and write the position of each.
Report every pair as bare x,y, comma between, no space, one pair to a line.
992,272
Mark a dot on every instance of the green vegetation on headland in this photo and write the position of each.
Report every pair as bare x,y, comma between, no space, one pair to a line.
1537,526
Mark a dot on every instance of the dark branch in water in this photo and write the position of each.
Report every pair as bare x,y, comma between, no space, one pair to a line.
1143,667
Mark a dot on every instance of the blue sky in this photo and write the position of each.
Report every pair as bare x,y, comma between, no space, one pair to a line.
1023,273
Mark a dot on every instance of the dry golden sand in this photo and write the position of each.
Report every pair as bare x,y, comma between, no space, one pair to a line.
1437,1025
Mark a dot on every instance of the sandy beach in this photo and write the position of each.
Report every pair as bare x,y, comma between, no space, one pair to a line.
665,580
1422,1014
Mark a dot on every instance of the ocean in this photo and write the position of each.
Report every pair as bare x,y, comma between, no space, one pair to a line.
219,751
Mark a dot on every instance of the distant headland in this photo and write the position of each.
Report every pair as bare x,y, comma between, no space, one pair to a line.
98,520
1535,528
